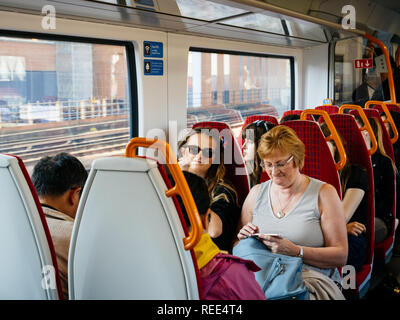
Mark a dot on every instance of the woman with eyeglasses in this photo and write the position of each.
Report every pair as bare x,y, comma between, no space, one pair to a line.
294,214
202,153
251,135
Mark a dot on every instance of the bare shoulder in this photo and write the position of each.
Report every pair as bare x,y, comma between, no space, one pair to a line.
254,191
252,196
328,200
248,205
328,191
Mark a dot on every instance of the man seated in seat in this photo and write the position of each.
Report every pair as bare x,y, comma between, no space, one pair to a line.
223,277
59,181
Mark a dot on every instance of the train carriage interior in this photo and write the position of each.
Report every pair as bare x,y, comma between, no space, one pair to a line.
119,84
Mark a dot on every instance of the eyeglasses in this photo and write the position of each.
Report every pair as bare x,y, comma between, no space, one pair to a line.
206,152
277,166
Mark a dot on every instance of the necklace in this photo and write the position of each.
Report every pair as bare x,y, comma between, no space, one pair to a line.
281,213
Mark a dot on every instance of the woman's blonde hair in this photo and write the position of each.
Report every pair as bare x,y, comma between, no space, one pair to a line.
284,139
377,129
216,173
345,172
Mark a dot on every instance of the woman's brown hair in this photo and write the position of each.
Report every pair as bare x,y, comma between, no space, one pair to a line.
260,127
345,172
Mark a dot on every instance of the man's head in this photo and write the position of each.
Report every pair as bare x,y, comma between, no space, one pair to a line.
58,181
201,197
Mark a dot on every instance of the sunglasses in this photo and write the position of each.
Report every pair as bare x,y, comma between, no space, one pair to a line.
206,152
266,125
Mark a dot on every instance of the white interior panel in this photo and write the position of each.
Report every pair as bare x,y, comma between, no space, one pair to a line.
315,75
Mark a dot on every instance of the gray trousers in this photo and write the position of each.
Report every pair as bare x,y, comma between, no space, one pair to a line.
381,230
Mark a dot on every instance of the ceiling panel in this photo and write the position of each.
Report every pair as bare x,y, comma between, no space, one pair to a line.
203,17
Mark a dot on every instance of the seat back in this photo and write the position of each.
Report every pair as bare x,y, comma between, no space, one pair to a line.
393,107
357,154
263,117
28,268
383,250
328,108
395,112
318,162
128,244
289,112
236,171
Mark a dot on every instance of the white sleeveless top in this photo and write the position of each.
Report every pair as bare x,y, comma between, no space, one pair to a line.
301,225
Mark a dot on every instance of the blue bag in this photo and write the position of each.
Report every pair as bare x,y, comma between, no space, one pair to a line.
280,276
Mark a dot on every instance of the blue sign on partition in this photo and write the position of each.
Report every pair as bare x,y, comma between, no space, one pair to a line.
153,67
327,102
153,49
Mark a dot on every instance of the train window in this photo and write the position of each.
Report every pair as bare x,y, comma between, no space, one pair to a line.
358,81
64,96
229,86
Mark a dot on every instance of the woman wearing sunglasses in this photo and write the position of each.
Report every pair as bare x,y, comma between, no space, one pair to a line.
202,153
294,214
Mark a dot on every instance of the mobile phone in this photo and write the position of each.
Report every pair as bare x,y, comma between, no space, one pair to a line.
257,235
273,235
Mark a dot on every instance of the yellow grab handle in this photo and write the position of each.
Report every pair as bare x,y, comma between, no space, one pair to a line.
181,187
333,136
366,126
389,118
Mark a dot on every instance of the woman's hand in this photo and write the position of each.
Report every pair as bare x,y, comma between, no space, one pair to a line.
280,245
355,228
247,231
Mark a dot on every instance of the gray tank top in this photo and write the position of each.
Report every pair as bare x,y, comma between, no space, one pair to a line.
301,225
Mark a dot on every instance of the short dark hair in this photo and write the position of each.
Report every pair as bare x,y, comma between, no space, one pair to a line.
289,117
201,197
54,175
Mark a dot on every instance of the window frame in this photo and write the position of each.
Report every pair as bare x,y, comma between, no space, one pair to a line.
130,60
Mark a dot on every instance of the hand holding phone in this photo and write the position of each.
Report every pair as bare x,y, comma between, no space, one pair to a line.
257,235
